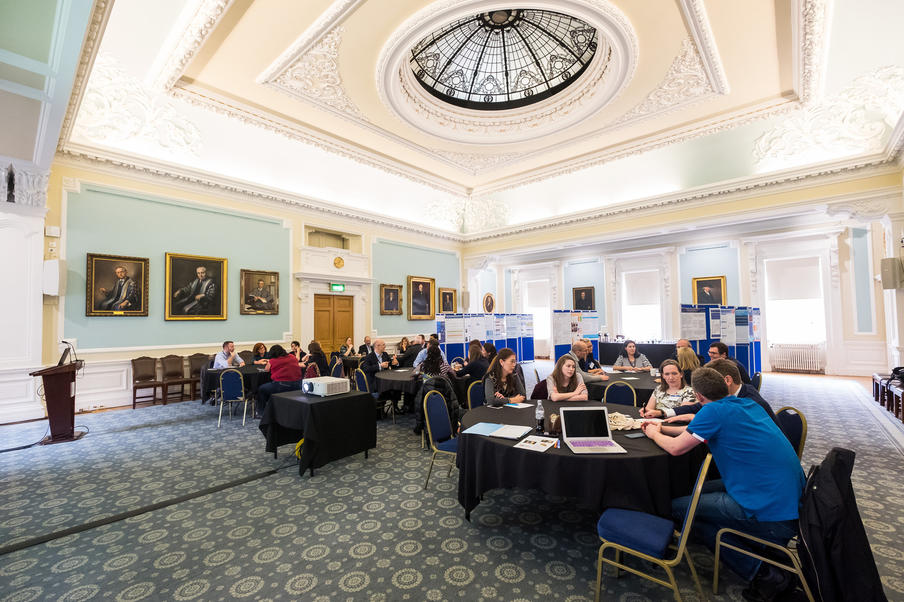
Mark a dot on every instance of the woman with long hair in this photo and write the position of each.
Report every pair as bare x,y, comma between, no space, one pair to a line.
434,364
565,383
687,362
260,353
502,385
347,348
477,364
490,352
672,391
631,361
316,355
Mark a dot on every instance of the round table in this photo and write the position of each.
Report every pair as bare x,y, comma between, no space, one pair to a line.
350,363
642,382
253,376
644,479
405,380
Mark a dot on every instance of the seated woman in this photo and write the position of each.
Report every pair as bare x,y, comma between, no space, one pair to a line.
565,383
687,362
347,348
436,374
477,364
631,361
260,353
406,353
433,370
316,355
285,375
502,385
489,352
671,392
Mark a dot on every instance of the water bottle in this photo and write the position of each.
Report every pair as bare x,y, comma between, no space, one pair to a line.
539,415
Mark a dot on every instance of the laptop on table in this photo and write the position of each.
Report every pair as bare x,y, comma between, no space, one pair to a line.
586,431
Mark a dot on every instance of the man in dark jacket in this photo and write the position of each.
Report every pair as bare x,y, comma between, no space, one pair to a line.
375,361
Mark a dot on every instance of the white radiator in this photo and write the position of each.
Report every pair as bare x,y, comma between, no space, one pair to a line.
797,358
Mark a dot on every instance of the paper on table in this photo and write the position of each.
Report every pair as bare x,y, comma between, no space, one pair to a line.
481,428
629,378
608,370
518,405
537,443
511,431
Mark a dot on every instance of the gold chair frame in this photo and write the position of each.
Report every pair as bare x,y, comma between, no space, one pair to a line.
793,568
668,565
244,399
803,431
619,383
468,393
432,441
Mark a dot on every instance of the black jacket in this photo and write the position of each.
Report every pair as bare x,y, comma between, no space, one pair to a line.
370,365
834,552
444,386
406,358
365,349
476,369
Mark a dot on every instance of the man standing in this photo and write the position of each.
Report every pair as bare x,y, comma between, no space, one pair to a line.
761,483
123,296
578,353
198,296
366,348
260,299
719,350
228,357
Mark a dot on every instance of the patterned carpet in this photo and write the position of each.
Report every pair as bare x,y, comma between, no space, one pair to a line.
360,529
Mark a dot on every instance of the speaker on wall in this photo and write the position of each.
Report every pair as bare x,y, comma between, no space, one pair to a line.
51,283
465,300
892,273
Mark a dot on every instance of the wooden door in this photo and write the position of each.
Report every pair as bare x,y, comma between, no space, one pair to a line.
334,320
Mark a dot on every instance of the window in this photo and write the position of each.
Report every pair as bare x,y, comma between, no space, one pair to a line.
536,302
795,312
641,307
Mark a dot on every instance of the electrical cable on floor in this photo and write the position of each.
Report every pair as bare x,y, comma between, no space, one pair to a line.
9,449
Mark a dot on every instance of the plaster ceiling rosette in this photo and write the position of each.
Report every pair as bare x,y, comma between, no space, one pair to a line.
565,102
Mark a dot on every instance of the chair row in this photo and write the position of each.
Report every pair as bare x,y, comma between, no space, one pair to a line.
145,375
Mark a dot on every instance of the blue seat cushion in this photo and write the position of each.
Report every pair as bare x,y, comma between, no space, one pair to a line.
639,531
450,445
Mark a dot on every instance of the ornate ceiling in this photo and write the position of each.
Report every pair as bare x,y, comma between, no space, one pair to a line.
316,102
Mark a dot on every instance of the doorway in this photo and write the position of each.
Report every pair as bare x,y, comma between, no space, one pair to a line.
334,320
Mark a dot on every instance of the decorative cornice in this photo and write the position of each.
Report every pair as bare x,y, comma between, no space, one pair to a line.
474,163
867,209
697,22
811,26
99,17
196,25
30,187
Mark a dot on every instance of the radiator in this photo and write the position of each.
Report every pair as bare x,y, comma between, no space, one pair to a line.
797,358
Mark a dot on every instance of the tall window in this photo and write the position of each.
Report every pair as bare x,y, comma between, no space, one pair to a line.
641,311
795,311
536,302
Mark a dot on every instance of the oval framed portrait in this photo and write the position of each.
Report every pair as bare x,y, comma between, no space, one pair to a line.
489,303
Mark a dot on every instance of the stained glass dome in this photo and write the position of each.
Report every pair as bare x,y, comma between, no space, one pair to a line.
503,59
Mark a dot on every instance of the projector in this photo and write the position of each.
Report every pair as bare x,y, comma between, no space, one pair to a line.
325,385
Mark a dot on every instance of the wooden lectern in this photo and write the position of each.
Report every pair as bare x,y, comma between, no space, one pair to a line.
59,394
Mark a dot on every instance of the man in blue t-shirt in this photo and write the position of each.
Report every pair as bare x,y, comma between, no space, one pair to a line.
761,483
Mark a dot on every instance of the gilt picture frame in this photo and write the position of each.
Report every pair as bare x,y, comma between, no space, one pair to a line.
390,299
709,290
195,287
421,302
258,293
116,285
447,301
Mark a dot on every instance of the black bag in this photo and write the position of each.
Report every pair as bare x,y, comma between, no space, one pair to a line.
834,552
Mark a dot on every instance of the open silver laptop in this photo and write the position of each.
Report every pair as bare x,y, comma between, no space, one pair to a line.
586,431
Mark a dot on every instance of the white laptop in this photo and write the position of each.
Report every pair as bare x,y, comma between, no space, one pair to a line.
586,431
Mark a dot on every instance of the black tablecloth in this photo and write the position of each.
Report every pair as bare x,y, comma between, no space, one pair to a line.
645,479
642,382
655,352
405,380
350,364
333,427
253,376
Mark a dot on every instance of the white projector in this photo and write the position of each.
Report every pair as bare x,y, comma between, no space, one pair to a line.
325,385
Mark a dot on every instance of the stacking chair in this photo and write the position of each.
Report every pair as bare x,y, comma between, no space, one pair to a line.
336,371
541,390
620,392
475,394
232,390
648,537
794,425
313,371
196,362
173,376
757,380
458,360
247,357
361,381
439,430
144,376
536,375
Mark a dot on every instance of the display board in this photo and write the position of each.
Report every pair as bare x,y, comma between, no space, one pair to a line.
568,325
515,331
737,327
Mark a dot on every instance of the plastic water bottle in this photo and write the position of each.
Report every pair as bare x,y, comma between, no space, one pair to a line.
539,415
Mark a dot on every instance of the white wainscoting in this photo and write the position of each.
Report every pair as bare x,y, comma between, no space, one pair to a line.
18,395
861,358
103,384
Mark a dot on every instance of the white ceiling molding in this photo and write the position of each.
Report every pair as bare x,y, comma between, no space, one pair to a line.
475,163
294,131
471,215
196,22
869,208
697,22
857,120
810,30
117,108
610,70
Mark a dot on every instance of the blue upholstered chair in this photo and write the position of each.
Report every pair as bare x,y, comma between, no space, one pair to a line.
620,392
475,394
439,430
361,381
232,390
757,380
336,371
649,537
794,425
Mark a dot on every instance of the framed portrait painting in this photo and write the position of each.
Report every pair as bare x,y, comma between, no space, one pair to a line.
259,292
116,285
447,303
195,287
390,299
583,298
420,298
709,290
489,303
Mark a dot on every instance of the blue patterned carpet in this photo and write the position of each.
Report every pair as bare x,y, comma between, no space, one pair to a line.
360,529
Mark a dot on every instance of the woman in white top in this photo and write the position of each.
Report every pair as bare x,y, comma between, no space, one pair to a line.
631,361
565,383
672,391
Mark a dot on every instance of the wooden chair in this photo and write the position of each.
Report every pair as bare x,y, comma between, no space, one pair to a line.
174,376
196,361
144,376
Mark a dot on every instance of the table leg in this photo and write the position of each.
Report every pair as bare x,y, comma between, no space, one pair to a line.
365,454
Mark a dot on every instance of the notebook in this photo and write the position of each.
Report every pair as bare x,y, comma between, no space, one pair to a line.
586,431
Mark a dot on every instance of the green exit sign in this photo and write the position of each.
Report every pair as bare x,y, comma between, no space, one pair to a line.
337,288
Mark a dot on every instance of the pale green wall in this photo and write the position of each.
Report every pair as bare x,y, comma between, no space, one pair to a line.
111,222
581,274
701,262
862,279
